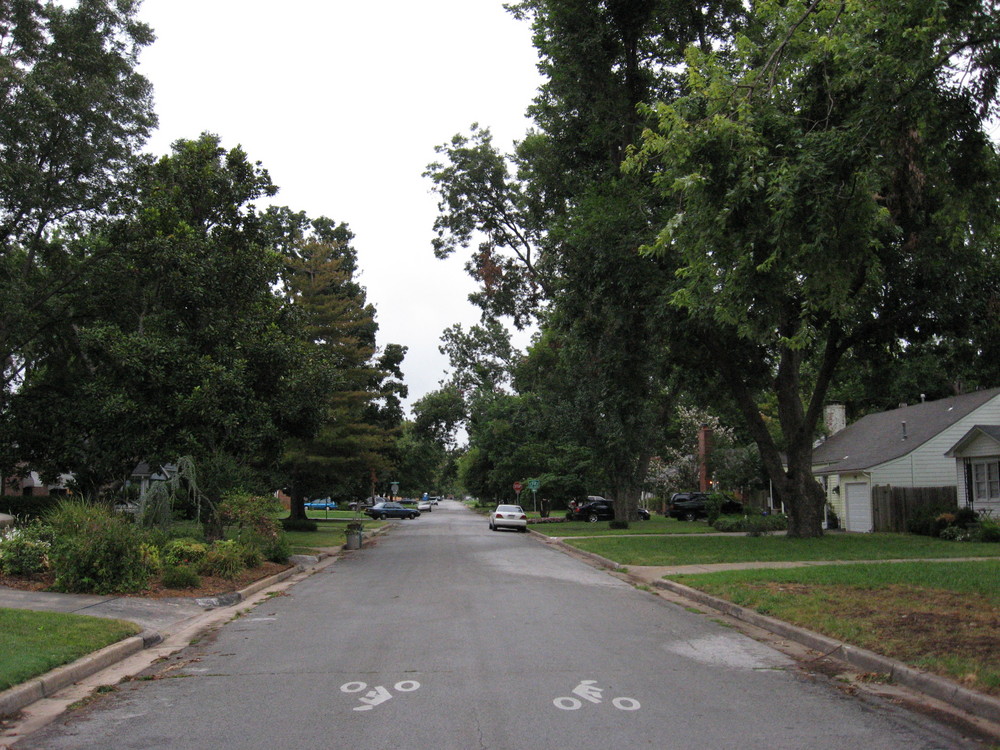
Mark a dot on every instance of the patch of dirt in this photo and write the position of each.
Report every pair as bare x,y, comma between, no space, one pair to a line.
950,633
210,585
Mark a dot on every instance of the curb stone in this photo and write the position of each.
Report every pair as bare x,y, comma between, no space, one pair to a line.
932,685
20,696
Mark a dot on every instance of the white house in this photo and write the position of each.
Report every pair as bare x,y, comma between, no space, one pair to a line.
977,468
911,446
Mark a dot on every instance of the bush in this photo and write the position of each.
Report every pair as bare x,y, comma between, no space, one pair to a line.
96,550
28,507
224,559
989,531
24,551
184,551
929,521
252,555
180,577
756,525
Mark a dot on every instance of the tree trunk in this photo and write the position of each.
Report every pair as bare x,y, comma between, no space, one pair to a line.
296,506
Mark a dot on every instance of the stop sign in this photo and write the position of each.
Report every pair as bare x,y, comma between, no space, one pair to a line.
517,486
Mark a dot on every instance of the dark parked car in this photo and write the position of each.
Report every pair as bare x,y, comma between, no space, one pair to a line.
389,509
366,503
598,509
324,504
687,506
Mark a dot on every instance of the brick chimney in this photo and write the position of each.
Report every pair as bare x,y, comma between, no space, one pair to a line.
835,418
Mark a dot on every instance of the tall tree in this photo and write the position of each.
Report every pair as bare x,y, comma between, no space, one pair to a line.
833,187
174,343
73,114
354,435
564,230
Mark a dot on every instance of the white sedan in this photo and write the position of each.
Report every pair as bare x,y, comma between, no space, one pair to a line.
508,516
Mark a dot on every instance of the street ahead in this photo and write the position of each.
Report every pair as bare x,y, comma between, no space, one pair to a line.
447,635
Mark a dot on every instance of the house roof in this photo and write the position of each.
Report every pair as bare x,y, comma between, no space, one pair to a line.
878,438
991,431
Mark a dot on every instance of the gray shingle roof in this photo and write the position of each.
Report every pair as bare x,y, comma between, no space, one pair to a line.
878,438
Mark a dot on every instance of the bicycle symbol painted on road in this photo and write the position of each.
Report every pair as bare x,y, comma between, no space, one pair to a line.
378,694
588,692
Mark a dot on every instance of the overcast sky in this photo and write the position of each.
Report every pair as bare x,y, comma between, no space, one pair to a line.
343,103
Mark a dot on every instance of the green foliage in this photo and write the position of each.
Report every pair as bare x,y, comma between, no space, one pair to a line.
28,506
989,531
225,558
24,550
95,550
184,551
754,525
180,577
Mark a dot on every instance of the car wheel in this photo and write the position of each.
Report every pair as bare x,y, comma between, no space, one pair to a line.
689,516
412,516
381,516
593,518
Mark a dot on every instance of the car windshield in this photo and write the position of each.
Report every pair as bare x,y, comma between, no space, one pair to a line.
509,509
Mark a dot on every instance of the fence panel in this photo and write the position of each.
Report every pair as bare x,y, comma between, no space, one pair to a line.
892,507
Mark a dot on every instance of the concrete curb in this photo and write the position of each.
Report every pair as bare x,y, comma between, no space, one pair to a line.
20,696
932,685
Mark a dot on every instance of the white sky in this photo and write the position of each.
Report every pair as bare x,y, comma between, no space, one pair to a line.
343,101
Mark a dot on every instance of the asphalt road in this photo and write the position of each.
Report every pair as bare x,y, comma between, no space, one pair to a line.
446,635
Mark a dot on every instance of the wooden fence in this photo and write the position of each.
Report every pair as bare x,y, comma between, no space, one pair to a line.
892,507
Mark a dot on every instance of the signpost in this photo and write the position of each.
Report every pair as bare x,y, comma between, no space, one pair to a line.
517,490
533,485
394,488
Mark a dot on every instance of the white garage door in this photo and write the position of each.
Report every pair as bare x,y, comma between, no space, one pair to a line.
859,506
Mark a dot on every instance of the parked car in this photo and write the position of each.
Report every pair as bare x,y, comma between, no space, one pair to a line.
423,505
434,499
597,509
389,509
688,506
368,502
508,517
324,504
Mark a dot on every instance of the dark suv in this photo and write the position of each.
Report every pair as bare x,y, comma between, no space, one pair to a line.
687,506
598,509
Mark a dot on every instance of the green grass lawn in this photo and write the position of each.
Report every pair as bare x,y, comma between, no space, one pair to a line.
939,616
328,534
700,549
655,525
32,643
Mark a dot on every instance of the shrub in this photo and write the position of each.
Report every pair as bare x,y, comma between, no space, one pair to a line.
958,534
224,559
96,550
252,555
180,577
756,525
184,551
928,521
24,551
989,531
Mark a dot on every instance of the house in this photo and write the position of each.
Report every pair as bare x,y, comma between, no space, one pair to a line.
977,468
31,484
910,446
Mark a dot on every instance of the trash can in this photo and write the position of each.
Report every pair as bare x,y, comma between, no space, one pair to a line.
352,538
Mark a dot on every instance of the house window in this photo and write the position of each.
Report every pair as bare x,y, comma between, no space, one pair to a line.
986,480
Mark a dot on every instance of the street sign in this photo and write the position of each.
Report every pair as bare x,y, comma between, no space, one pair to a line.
518,486
394,487
534,485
